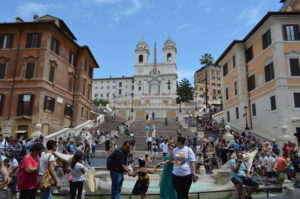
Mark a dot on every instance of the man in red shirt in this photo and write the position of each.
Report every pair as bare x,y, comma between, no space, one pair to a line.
286,149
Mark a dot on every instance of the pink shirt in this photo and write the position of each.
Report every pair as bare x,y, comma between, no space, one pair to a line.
27,181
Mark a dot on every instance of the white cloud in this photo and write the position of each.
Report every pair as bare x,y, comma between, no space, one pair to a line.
182,26
250,16
31,8
179,6
121,8
102,2
207,5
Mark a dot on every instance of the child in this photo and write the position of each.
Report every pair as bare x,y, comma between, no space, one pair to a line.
147,160
60,170
142,184
78,177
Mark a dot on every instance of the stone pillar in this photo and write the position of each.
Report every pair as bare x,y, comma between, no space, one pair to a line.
37,133
287,188
284,137
228,136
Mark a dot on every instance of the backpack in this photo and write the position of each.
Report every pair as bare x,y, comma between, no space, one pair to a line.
110,160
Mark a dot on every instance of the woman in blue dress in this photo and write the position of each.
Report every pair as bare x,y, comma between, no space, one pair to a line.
167,189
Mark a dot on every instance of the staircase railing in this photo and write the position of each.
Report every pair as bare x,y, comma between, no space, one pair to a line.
76,130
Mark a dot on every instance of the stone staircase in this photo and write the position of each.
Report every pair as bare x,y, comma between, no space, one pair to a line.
137,128
110,123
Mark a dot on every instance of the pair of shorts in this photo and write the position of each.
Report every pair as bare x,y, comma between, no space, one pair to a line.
244,180
270,174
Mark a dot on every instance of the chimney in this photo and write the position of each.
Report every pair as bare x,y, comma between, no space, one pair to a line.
19,20
35,17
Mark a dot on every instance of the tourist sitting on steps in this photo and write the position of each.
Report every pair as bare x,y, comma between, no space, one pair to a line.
240,175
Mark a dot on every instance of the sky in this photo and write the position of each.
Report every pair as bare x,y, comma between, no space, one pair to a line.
112,28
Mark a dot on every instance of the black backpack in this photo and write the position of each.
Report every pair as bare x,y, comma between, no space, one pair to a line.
110,160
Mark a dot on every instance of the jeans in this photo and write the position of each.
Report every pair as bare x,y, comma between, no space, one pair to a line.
45,194
74,186
87,158
182,186
116,184
28,194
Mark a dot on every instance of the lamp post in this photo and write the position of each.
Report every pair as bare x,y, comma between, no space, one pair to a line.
114,108
131,102
195,95
246,115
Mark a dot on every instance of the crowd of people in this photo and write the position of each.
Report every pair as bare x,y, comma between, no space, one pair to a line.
271,165
29,165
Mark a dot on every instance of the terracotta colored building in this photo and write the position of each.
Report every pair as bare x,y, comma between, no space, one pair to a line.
214,84
261,77
45,76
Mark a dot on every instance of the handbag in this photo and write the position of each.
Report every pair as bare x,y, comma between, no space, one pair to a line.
47,180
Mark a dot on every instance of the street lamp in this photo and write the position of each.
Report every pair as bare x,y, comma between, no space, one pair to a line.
131,102
246,115
195,95
114,108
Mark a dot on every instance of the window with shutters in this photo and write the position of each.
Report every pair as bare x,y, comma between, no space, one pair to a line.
269,72
297,100
254,109
294,67
120,92
55,45
233,61
273,103
2,70
228,116
68,110
291,32
120,84
237,115
70,84
89,91
83,87
225,70
25,104
85,65
249,54
226,93
52,73
49,103
235,88
33,40
91,72
73,59
266,39
2,98
29,70
6,41
251,83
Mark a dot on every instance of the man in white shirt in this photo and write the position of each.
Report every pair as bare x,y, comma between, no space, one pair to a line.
164,147
149,142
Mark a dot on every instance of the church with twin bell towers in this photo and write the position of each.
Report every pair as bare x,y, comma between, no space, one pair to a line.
152,89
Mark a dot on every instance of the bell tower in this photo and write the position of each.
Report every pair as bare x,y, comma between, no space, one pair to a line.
142,53
170,51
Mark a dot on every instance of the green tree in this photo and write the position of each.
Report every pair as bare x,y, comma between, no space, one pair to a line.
206,60
184,91
97,102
